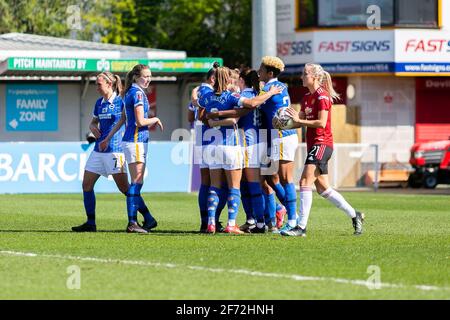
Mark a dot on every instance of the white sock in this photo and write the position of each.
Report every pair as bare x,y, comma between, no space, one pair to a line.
338,200
260,225
292,223
212,220
305,206
251,221
231,223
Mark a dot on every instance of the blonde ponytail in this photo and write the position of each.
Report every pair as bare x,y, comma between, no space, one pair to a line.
222,76
118,85
327,84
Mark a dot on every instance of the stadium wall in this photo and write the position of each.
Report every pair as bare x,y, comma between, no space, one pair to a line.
387,113
75,113
58,167
68,127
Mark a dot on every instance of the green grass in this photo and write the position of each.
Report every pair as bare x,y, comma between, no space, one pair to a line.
406,236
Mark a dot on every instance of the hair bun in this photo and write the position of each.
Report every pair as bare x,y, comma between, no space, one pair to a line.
216,64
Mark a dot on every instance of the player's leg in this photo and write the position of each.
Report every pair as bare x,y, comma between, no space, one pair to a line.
121,180
137,170
280,211
257,199
116,166
286,173
269,205
203,198
309,176
89,180
223,195
213,197
323,188
234,199
247,203
93,170
276,185
134,156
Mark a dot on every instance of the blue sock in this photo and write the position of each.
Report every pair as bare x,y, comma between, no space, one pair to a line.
89,206
234,201
269,212
291,201
143,209
203,203
257,200
279,207
281,192
223,193
133,195
213,202
246,199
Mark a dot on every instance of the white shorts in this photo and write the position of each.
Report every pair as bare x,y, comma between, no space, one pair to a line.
198,156
135,151
284,148
253,155
106,164
223,157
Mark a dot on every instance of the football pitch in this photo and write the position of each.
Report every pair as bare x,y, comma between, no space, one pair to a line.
404,252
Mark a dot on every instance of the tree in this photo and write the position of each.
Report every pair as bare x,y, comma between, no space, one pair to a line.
220,28
45,17
113,21
204,28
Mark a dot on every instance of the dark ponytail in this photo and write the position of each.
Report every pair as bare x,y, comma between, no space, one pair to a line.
212,70
132,75
251,79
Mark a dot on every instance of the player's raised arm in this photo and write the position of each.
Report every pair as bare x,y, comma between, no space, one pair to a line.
259,100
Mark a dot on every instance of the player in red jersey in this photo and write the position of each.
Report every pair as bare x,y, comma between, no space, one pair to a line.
315,114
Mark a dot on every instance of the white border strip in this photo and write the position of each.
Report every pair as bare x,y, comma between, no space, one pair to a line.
294,277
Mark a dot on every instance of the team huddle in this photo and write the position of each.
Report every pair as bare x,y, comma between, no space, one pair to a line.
244,148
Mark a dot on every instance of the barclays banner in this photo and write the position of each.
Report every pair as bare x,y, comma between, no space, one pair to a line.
58,167
31,107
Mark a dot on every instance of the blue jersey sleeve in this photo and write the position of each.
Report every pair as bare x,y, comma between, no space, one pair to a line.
202,100
282,99
96,106
233,99
138,98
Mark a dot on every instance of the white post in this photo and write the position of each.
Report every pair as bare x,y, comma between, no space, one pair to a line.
264,26
335,168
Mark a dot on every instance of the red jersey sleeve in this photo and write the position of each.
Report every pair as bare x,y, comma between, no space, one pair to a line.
324,102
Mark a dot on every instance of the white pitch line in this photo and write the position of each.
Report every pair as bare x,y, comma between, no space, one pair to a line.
294,277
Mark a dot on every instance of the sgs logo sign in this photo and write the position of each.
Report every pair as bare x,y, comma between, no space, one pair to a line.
294,48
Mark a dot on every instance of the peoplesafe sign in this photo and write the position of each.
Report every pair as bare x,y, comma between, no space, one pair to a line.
31,107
